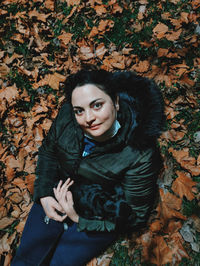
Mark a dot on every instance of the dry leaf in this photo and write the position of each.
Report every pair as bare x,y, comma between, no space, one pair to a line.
100,9
65,37
160,30
9,93
182,186
6,221
184,159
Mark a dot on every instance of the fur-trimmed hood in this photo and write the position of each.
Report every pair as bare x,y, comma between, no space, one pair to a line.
146,102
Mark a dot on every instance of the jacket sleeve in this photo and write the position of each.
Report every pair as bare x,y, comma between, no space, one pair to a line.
109,210
47,174
47,167
140,186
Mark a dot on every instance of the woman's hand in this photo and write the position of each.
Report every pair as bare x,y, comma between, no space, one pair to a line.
65,199
51,208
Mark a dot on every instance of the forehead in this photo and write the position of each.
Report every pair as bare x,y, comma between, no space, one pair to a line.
87,93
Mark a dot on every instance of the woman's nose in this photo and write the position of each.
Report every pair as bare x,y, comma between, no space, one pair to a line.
89,117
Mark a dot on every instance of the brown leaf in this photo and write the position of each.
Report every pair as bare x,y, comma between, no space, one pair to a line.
142,66
55,79
86,53
6,221
4,70
73,2
175,243
65,37
100,50
169,207
100,9
162,254
16,198
105,25
19,182
40,16
6,242
160,30
9,93
173,35
173,135
182,186
162,52
49,4
156,226
17,37
184,159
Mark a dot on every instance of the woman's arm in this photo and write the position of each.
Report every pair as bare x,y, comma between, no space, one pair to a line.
140,186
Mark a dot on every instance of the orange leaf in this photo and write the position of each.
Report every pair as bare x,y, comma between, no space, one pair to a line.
182,186
156,226
169,207
162,254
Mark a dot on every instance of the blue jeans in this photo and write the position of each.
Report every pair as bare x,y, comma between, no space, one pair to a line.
49,244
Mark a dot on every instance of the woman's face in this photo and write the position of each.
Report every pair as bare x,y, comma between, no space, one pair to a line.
94,110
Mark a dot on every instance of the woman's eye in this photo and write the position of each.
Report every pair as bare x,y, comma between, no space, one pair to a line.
97,105
78,111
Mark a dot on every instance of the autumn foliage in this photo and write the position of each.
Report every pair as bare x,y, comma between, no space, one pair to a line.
42,42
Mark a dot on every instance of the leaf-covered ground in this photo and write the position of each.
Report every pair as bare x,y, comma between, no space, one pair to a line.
42,42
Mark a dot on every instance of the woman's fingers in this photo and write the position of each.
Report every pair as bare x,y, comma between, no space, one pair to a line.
51,208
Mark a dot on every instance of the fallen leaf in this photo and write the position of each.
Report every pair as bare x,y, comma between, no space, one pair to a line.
160,30
6,221
9,93
162,254
182,186
49,4
100,9
185,160
141,67
39,16
65,37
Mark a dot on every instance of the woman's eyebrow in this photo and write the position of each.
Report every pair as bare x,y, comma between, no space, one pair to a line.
91,103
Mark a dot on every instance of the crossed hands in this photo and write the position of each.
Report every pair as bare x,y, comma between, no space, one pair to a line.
61,207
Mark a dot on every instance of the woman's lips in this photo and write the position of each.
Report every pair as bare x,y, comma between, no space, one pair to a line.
94,127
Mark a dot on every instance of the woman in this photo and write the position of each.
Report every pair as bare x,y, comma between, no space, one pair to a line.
97,169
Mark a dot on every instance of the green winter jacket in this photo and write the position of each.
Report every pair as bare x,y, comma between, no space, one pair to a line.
126,160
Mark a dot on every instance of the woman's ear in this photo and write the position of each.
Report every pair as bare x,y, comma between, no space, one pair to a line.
117,103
